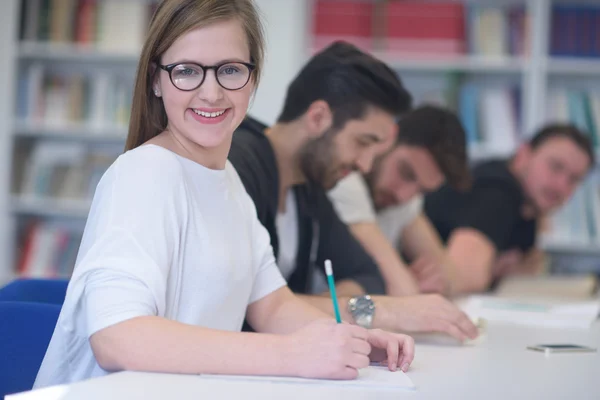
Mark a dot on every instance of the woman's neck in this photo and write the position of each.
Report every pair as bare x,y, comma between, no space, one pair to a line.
212,158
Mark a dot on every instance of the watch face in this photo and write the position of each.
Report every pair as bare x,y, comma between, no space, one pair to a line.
362,309
363,306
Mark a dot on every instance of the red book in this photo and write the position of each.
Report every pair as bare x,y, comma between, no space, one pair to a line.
432,28
85,27
342,20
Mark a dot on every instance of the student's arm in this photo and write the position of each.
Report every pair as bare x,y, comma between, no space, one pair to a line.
472,255
419,238
485,226
398,281
323,349
421,243
155,344
515,262
352,265
408,314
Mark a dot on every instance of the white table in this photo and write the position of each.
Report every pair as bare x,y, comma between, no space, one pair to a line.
499,367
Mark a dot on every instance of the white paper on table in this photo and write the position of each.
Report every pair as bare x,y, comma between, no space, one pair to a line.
373,377
546,313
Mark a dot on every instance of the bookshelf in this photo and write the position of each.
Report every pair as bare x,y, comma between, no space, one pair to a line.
105,65
69,90
537,67
468,63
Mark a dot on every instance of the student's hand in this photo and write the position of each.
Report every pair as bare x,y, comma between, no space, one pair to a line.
515,262
328,350
393,349
430,276
424,313
507,263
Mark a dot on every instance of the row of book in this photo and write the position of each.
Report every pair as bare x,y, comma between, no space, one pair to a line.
491,116
62,170
492,113
48,249
53,97
578,221
580,107
423,28
112,25
575,30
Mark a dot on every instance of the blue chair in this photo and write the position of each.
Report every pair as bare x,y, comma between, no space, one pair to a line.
50,291
25,332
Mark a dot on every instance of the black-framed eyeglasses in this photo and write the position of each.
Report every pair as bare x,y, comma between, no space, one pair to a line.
189,76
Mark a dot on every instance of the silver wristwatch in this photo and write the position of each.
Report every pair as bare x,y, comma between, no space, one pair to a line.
362,309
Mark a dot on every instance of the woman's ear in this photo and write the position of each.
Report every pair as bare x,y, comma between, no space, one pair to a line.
319,118
155,78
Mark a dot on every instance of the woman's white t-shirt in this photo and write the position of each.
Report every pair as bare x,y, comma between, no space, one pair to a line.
165,237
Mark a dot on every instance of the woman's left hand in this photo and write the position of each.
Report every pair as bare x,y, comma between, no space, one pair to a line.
395,349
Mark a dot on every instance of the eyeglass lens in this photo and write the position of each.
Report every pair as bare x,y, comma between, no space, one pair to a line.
231,76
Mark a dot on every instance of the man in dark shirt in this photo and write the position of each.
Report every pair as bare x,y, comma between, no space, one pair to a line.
490,230
339,113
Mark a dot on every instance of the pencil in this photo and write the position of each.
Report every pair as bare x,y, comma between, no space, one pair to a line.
331,282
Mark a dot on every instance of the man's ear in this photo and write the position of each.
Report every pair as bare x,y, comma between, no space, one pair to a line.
523,155
318,118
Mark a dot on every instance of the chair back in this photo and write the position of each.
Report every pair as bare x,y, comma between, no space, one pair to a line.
25,332
51,291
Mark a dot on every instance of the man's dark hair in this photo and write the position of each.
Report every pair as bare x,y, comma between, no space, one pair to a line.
581,139
440,132
350,81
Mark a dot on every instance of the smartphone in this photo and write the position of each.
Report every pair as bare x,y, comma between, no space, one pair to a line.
562,348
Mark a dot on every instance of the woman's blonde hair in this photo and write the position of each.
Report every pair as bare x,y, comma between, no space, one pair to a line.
172,19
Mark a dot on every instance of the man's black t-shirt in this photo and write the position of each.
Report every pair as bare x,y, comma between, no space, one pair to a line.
492,206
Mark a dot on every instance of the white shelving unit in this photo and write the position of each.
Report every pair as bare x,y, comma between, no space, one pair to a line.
574,66
76,132
67,52
533,74
9,11
49,208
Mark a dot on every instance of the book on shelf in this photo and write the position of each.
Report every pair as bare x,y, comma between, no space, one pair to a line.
498,31
490,114
423,29
48,249
109,25
63,171
47,97
578,221
417,28
343,20
580,107
575,30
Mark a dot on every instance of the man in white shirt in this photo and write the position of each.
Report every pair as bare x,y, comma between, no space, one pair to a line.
384,209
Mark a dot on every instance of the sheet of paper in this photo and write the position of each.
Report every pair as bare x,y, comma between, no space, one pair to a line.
548,313
374,377
579,287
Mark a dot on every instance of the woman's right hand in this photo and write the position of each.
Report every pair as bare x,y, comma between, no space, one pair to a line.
327,350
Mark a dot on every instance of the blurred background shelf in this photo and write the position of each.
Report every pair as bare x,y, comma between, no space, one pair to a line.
74,132
459,63
587,249
65,52
48,207
574,66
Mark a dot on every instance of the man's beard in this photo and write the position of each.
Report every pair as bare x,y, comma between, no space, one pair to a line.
318,160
